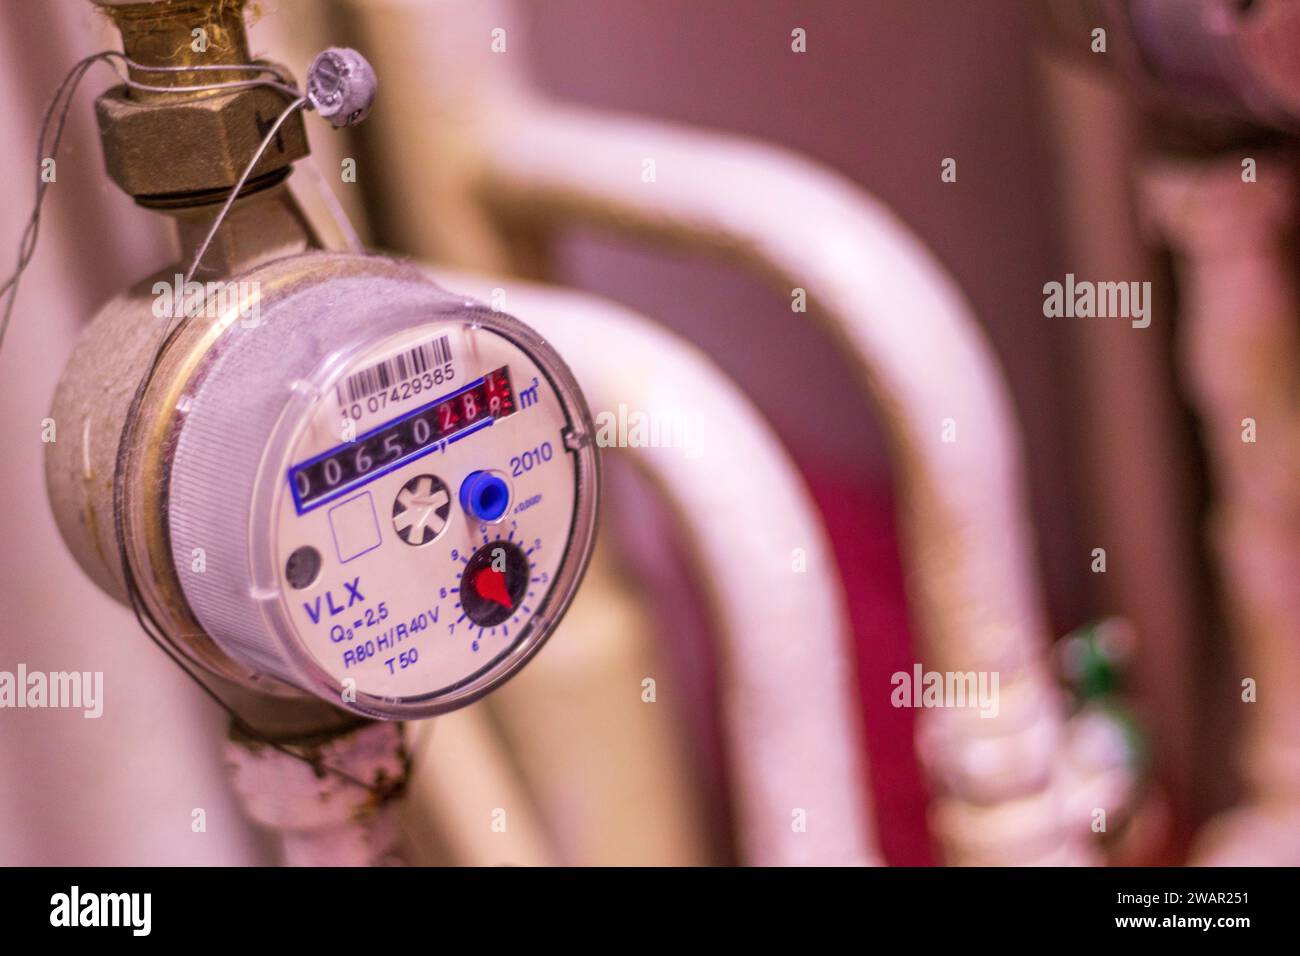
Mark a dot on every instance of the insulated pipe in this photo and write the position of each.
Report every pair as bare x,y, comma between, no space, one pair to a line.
918,351
342,816
744,513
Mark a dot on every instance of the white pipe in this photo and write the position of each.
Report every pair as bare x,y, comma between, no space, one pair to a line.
347,817
918,350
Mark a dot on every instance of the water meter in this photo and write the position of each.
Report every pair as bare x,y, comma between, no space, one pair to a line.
346,481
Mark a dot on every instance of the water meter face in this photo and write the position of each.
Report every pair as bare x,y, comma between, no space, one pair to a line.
420,516
424,513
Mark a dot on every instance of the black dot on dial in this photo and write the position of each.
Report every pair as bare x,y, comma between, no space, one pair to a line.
302,567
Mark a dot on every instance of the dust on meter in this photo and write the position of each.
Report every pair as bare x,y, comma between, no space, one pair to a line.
393,489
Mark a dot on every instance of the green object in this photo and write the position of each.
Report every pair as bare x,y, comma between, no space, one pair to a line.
1097,674
1094,672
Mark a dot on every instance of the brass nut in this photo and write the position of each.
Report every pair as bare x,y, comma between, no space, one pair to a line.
194,143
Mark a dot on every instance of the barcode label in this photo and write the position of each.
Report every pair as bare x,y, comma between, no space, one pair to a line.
396,370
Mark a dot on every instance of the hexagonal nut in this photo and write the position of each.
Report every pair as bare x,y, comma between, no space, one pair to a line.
159,148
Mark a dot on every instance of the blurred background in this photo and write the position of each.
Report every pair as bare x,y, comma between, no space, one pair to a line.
1114,457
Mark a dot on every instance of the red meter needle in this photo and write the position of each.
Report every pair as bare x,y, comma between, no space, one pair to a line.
491,584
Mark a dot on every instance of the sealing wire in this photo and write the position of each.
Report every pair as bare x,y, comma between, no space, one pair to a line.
60,105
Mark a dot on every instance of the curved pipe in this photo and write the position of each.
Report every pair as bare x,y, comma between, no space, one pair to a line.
917,350
788,690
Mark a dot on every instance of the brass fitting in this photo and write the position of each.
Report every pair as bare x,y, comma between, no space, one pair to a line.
182,149
192,148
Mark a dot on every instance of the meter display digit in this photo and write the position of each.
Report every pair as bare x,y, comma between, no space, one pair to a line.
416,433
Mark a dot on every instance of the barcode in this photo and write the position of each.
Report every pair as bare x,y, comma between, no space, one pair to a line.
396,370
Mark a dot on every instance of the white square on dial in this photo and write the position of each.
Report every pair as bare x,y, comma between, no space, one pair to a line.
356,527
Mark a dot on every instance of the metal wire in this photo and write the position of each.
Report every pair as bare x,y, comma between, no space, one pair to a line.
60,106
234,193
